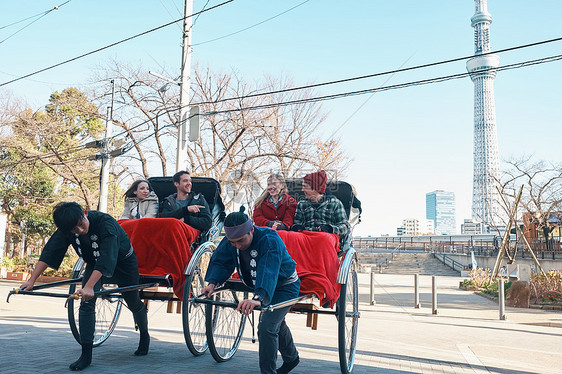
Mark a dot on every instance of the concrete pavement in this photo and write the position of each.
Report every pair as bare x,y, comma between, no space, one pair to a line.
466,336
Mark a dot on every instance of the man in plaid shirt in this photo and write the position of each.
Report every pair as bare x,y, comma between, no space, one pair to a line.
320,210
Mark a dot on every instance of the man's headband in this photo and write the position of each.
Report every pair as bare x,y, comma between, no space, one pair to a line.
235,232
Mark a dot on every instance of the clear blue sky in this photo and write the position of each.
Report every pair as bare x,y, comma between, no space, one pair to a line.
404,142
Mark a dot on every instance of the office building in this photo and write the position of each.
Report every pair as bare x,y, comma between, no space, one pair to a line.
469,227
440,207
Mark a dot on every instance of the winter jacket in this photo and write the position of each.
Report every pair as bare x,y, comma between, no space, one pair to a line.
146,208
328,211
201,221
284,212
273,271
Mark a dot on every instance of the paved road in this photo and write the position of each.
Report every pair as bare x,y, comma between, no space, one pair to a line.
466,336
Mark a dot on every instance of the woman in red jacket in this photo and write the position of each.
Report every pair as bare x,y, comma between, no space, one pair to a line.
275,208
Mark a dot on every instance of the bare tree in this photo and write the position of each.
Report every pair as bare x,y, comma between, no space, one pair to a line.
246,132
542,192
146,111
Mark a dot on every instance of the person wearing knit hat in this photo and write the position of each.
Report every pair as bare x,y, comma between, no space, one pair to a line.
317,181
261,259
320,210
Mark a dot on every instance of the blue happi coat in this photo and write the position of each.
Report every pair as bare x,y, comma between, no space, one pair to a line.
276,277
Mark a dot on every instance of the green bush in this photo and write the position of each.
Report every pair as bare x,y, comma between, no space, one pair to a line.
28,264
65,269
480,278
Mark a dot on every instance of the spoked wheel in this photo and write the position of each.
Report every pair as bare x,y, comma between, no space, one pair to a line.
193,314
108,309
348,317
224,325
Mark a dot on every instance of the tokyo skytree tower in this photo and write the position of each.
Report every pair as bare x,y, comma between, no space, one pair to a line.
486,165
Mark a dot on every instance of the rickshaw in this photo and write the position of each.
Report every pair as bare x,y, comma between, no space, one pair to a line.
223,326
214,324
109,303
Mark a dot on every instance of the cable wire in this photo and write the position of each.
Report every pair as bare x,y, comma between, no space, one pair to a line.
32,22
321,98
392,87
38,14
348,93
401,70
249,27
111,45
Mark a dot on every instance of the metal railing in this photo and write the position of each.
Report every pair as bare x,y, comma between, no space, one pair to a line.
384,263
455,265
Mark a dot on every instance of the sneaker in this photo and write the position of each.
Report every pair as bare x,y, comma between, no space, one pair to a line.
288,366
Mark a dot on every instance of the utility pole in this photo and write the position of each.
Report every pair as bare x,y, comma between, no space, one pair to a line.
105,154
181,157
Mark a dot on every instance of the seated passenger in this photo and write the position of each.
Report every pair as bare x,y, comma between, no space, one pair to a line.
140,201
320,210
189,207
275,208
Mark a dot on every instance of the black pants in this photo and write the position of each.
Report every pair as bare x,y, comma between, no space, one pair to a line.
126,274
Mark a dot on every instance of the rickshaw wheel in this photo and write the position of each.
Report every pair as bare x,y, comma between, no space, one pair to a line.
108,310
193,314
348,317
225,325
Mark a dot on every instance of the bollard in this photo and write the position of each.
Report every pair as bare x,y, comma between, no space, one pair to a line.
416,291
372,293
433,295
501,300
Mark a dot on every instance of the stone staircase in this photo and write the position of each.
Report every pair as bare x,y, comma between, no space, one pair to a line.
408,263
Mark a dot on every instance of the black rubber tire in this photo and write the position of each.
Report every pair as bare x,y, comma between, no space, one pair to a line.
108,310
225,325
193,314
348,318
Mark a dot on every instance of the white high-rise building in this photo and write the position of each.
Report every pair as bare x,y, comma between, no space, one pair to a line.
482,71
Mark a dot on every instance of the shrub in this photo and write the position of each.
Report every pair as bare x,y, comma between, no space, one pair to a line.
480,277
65,269
548,284
27,264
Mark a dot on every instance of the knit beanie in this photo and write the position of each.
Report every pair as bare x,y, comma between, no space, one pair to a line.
317,181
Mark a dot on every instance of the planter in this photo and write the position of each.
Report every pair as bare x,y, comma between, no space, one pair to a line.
17,276
465,273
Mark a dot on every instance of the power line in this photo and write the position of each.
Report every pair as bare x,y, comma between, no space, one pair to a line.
391,72
112,44
196,18
348,93
250,27
316,99
361,92
41,15
401,70
38,14
392,87
366,101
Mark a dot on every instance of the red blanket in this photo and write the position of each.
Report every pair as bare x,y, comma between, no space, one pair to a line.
162,246
317,262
